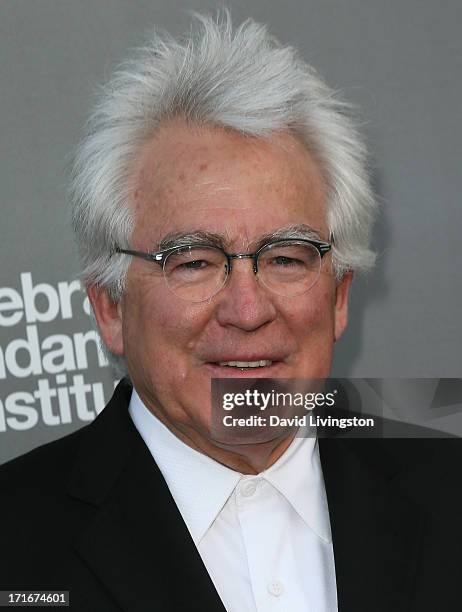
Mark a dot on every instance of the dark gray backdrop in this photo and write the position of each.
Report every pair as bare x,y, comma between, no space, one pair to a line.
400,61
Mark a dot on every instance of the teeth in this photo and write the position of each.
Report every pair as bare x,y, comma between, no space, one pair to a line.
247,364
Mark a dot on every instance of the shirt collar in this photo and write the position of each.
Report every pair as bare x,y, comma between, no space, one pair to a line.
201,486
297,475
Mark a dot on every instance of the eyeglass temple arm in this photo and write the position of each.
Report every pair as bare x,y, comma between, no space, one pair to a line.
154,257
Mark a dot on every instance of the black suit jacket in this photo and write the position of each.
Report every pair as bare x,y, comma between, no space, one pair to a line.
92,514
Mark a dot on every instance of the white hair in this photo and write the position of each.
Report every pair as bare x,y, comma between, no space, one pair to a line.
242,79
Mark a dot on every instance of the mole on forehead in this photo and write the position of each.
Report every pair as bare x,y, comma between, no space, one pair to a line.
163,157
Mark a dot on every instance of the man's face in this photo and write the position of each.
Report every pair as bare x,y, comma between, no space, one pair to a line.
211,180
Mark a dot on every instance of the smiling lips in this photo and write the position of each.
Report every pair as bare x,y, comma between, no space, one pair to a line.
246,364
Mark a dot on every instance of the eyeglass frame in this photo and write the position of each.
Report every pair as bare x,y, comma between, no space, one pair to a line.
160,257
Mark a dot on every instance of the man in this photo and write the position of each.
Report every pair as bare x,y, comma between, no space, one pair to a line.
221,206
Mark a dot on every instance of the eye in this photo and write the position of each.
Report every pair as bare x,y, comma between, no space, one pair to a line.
284,261
196,264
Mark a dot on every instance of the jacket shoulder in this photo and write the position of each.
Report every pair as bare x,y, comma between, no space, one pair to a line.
49,463
48,467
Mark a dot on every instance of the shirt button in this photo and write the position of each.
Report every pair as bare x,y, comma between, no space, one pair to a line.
248,488
276,588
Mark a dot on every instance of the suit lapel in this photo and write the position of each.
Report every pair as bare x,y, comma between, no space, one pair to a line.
375,529
137,544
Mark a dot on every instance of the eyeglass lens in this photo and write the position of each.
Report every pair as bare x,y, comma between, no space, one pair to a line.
196,274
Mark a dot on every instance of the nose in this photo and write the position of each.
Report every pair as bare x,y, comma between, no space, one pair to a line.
243,302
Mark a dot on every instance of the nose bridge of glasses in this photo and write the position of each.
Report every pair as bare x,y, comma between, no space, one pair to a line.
252,256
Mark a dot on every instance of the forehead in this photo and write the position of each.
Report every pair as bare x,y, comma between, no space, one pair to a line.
205,178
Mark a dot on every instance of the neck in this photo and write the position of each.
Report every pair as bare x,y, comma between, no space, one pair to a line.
249,458
244,458
248,455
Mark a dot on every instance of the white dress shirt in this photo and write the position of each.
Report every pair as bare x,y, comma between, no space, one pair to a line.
265,540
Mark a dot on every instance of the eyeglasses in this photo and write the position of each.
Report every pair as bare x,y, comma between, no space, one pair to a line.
196,273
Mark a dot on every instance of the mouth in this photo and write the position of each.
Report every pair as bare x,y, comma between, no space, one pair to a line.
236,368
262,363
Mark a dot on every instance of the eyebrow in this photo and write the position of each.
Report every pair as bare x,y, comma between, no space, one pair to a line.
300,231
198,237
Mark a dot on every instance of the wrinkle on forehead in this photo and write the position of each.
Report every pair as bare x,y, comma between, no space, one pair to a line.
172,143
212,176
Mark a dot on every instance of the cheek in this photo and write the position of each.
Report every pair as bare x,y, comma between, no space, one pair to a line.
312,313
311,322
162,331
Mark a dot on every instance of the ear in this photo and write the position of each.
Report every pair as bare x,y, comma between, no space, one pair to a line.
108,315
341,304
